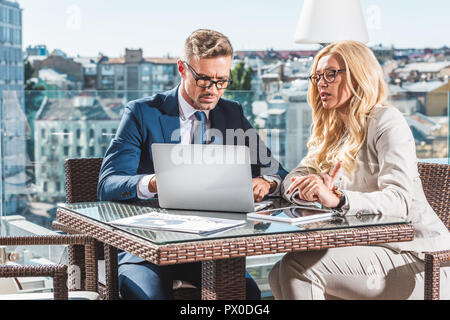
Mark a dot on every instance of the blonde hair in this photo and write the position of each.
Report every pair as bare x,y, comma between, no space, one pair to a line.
331,141
204,43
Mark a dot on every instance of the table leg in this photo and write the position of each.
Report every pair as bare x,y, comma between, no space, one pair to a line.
91,267
77,271
111,270
223,279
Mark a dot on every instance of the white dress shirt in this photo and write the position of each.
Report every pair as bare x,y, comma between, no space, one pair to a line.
188,124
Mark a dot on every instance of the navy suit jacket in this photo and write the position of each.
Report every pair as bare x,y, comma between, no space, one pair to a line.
154,120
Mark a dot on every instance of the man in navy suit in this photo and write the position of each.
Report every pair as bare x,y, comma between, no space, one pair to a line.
177,116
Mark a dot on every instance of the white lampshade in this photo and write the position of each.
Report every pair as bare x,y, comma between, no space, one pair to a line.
327,21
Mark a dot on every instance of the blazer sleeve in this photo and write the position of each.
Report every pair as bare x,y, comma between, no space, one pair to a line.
394,145
118,175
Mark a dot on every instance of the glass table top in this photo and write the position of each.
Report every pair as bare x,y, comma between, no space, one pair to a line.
105,212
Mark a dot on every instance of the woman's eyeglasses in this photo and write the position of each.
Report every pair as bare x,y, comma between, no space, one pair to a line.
329,76
207,82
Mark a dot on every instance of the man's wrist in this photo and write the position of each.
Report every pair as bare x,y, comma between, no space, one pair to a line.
273,186
142,191
271,181
152,185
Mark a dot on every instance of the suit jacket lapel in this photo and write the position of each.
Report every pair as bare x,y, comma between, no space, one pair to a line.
170,121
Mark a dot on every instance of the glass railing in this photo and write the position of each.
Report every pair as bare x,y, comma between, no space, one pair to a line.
40,129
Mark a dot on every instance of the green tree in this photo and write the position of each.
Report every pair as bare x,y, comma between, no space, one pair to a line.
242,78
241,89
28,70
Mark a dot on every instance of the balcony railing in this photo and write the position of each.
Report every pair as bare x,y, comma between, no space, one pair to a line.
286,112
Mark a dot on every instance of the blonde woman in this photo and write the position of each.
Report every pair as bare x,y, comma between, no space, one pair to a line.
361,160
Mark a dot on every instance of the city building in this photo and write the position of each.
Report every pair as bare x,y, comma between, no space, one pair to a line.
421,71
11,61
14,158
256,64
52,80
12,110
270,55
430,135
383,53
37,50
288,119
89,65
133,76
62,65
273,70
64,128
431,95
281,75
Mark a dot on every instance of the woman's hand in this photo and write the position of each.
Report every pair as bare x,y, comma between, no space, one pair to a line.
319,187
300,183
328,179
313,188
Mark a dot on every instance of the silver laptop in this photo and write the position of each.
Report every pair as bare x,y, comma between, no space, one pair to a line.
204,177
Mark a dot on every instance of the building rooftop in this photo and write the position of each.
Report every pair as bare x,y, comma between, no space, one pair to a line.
274,54
114,61
121,60
423,86
162,60
276,111
31,59
421,126
10,3
87,62
79,108
395,89
51,75
426,66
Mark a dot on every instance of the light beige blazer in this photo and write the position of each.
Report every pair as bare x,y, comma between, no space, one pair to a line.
387,182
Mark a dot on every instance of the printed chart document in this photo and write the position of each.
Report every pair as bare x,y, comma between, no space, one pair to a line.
179,223
293,215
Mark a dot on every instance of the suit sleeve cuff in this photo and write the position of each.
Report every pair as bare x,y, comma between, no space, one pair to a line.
142,188
277,190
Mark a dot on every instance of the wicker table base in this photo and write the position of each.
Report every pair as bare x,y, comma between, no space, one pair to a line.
223,267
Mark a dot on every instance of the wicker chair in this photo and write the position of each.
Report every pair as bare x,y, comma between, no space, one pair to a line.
81,186
436,186
57,272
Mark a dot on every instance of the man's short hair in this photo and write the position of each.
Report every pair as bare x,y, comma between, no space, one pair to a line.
205,43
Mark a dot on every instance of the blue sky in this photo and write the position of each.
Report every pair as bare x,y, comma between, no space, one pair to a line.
87,27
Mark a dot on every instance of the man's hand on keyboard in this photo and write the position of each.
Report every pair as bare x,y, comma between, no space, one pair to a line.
261,188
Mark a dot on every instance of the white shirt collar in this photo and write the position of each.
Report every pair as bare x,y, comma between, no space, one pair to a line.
186,110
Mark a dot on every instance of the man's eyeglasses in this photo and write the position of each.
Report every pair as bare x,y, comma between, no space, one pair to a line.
207,82
329,76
